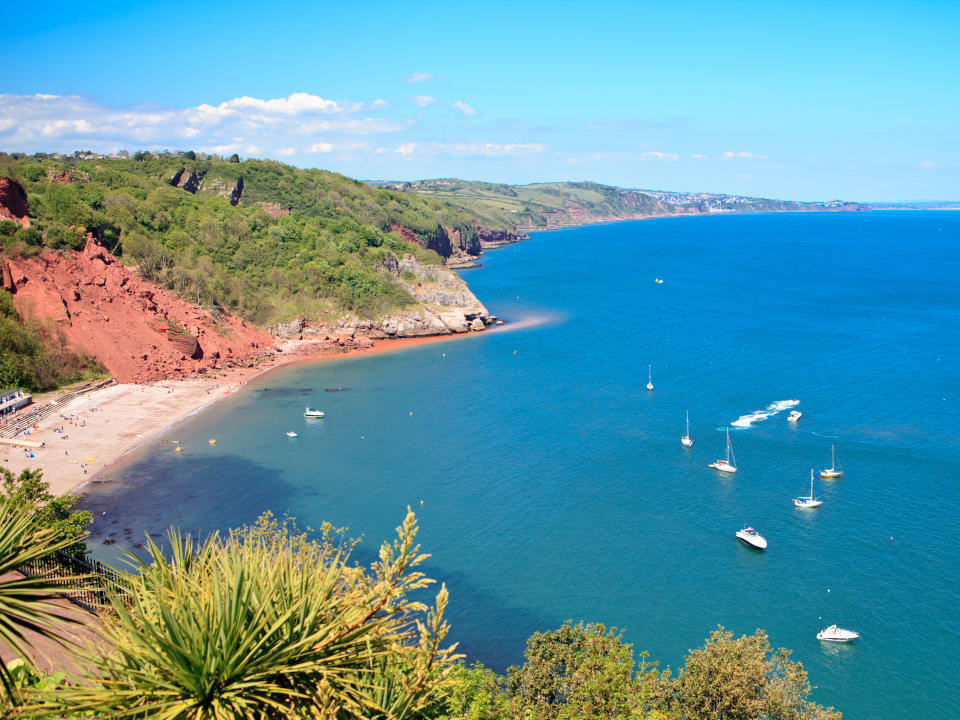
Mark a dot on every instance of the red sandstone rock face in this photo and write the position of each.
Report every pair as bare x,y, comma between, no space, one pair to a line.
132,327
13,201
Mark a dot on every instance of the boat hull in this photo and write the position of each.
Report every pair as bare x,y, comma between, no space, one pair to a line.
723,466
831,474
686,442
754,541
806,503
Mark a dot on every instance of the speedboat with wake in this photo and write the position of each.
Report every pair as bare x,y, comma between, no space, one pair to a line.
751,538
837,634
794,416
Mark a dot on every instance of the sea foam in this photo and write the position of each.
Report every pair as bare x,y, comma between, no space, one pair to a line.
745,421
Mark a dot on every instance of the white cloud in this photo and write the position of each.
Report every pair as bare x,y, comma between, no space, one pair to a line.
287,151
321,147
423,100
656,154
464,149
419,77
698,156
464,108
927,165
64,123
744,154
379,103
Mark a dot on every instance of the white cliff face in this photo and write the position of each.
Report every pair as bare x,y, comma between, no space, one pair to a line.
446,304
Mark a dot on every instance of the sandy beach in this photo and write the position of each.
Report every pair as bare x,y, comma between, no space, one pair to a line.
84,437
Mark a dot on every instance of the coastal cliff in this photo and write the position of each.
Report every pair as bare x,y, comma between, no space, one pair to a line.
137,331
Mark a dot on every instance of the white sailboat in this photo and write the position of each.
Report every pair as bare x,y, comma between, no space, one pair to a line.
649,377
834,471
729,465
686,440
808,501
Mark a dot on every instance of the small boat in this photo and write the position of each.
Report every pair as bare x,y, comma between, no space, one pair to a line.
649,377
794,416
291,433
729,465
309,412
658,281
686,440
834,471
808,501
212,441
837,634
750,537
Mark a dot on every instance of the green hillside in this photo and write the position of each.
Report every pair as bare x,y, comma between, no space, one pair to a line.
539,205
315,248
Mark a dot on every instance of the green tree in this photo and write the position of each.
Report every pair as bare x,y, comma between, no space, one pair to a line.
31,493
234,158
578,671
477,693
739,679
268,624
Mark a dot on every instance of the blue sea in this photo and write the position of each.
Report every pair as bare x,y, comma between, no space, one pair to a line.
550,484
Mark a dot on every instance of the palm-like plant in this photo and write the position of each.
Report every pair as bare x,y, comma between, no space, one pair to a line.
25,601
268,624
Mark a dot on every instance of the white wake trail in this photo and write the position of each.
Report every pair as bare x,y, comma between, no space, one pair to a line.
745,421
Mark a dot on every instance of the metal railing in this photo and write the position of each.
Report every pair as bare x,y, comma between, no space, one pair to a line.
84,580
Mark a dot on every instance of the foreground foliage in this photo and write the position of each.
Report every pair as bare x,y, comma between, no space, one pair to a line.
25,602
588,672
35,356
266,623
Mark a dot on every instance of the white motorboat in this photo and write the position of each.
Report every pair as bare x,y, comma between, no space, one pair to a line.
750,537
834,471
686,439
837,634
808,501
649,377
291,433
794,416
311,413
728,465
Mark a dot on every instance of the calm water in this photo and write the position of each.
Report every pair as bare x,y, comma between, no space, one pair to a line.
554,486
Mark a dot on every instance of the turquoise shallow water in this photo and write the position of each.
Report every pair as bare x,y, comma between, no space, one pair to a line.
554,485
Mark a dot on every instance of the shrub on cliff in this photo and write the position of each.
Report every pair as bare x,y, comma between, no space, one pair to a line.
31,494
35,356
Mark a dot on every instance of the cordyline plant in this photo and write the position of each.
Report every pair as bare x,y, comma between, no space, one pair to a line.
26,601
267,624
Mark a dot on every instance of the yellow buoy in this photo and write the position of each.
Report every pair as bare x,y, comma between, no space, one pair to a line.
212,441
411,412
179,449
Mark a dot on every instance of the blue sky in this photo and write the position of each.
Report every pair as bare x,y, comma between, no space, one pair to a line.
807,101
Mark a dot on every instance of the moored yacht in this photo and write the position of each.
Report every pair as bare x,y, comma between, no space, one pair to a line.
686,439
808,501
750,537
309,412
649,377
728,465
834,471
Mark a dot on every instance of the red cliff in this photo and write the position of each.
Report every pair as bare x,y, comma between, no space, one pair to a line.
138,332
